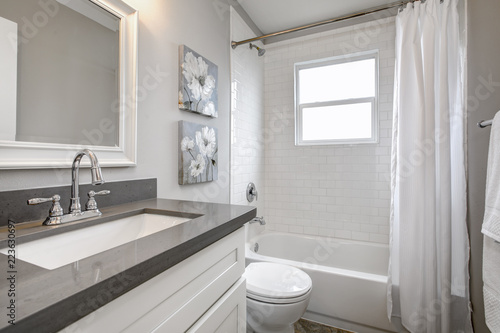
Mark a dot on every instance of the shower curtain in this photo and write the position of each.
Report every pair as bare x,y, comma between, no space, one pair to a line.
428,274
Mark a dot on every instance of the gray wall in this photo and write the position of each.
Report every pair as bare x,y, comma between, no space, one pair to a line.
163,25
483,101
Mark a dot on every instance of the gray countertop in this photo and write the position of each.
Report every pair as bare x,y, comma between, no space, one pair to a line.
48,300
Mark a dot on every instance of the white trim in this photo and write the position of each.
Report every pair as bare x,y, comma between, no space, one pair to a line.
31,155
373,54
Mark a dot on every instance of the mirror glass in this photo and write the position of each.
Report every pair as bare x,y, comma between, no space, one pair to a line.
61,61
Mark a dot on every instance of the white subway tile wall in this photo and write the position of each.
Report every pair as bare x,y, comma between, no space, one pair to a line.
247,117
339,191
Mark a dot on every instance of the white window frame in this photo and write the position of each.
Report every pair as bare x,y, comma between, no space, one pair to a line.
299,141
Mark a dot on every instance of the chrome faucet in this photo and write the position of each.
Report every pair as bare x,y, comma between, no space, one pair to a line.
56,213
75,208
258,219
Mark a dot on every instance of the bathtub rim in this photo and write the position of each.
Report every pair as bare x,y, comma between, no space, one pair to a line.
341,240
250,254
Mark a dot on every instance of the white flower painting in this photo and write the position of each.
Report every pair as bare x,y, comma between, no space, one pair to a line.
197,83
198,151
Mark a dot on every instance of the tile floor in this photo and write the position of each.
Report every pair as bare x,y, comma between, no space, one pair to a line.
306,326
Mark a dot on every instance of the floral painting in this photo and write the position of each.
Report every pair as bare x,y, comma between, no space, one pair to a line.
197,83
198,148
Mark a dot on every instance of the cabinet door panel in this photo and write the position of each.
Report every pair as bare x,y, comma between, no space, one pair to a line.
184,307
227,315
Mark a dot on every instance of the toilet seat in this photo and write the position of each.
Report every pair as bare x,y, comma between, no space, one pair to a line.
276,283
270,300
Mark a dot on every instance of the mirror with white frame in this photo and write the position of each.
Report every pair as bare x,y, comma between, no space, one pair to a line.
69,71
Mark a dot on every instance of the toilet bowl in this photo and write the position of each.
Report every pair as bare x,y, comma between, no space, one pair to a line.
277,296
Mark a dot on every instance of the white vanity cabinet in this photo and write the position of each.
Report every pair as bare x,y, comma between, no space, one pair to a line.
203,293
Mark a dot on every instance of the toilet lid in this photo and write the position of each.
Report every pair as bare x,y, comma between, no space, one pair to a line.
276,280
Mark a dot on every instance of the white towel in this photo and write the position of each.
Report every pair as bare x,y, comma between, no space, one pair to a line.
491,222
491,279
491,230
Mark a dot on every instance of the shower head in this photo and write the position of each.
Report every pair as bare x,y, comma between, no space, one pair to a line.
261,51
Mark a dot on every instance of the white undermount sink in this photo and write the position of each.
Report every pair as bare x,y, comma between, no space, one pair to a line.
62,249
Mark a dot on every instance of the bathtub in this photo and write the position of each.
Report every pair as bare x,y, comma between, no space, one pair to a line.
349,277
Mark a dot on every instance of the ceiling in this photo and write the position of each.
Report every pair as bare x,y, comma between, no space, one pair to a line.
276,15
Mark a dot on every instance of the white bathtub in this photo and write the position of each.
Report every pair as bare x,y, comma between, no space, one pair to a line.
349,277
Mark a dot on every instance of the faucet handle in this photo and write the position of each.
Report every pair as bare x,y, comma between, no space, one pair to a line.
91,203
55,210
103,192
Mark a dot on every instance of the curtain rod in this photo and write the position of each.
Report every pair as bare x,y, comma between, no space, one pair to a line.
317,24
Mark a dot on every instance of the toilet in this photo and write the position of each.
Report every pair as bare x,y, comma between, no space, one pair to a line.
277,296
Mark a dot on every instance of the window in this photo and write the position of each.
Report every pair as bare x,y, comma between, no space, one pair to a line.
336,100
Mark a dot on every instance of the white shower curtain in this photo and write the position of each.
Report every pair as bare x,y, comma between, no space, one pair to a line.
428,274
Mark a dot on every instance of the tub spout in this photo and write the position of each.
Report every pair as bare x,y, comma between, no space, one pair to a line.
258,219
